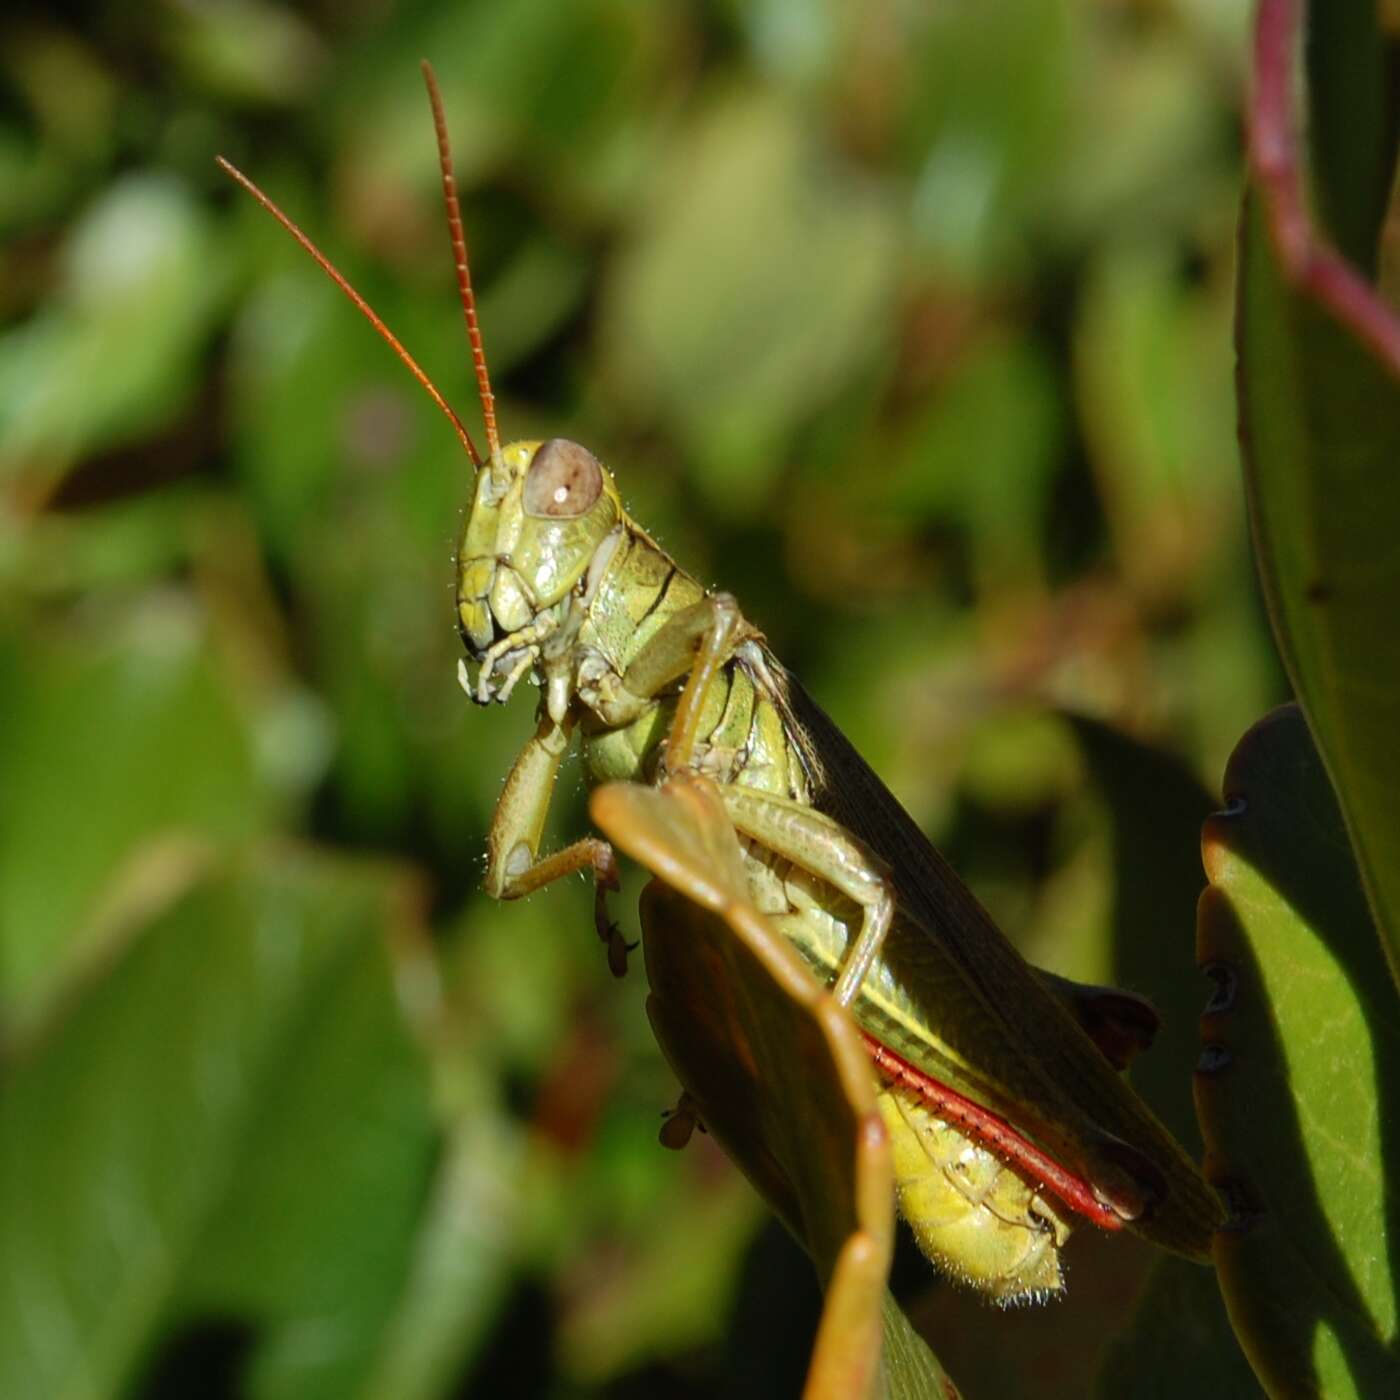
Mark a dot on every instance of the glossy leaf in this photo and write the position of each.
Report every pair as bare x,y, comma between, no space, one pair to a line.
1298,1088
1319,390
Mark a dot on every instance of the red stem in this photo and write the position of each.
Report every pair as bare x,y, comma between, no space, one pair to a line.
1310,261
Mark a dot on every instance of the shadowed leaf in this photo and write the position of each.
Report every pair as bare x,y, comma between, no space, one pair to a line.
1179,1335
1298,1091
1157,808
1178,1342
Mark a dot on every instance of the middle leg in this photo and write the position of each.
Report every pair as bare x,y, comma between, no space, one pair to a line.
824,848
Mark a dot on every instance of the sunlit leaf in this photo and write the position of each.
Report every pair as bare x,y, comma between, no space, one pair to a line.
1297,1089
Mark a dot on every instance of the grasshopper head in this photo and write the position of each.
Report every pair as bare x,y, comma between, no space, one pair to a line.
540,512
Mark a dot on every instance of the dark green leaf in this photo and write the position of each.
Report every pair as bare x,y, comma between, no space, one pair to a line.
1319,386
1178,1343
232,1124
1352,113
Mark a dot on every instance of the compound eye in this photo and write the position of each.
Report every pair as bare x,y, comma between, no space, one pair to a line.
564,480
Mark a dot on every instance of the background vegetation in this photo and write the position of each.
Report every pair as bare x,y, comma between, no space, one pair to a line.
910,324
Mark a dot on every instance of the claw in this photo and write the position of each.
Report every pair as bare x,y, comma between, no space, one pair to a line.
618,949
609,932
679,1123
465,681
521,668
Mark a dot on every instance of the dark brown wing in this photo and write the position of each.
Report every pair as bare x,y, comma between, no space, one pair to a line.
1081,1091
930,892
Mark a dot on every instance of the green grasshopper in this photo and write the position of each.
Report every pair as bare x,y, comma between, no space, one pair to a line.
999,1083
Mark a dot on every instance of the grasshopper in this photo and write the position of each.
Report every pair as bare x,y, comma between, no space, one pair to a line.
998,1083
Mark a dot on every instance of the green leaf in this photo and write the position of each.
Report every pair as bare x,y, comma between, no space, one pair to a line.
1157,808
1179,1335
1178,1343
232,1123
797,265
984,122
1152,379
1000,409
1352,121
117,734
912,1371
249,51
1319,389
1298,1090
112,357
467,1243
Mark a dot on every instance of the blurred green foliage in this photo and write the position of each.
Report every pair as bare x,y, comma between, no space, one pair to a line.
909,324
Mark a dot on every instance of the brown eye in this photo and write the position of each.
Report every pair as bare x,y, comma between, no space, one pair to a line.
564,480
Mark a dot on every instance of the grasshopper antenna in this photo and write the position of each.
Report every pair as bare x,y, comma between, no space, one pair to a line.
364,308
459,255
